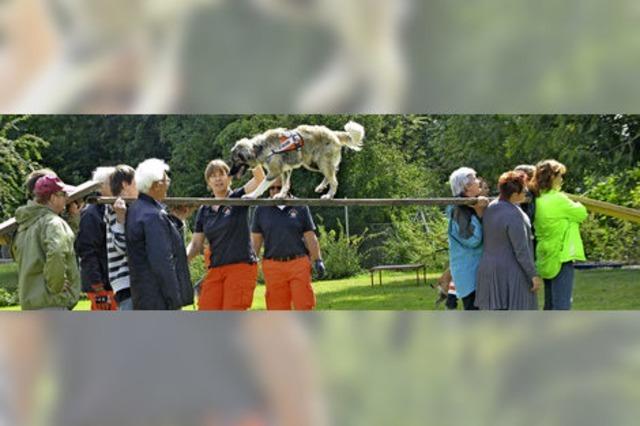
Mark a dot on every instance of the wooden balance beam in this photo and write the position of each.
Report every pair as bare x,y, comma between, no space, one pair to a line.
608,209
594,206
312,202
9,226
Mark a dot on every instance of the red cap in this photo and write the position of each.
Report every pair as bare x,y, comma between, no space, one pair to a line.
49,184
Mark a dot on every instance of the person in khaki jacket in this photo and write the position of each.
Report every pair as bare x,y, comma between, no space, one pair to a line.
48,276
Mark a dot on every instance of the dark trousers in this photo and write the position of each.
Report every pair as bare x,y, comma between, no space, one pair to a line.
558,290
469,301
452,302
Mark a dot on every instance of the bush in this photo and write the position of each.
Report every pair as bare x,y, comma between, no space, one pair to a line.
8,298
417,241
607,238
340,253
197,269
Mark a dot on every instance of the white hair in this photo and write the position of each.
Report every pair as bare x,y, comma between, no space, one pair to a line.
149,171
459,180
103,174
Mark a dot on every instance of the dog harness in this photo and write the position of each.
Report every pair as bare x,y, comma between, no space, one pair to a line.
290,141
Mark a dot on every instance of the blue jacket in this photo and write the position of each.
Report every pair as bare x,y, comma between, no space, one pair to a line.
464,254
158,267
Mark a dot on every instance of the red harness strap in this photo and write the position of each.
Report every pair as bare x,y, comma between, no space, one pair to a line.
290,141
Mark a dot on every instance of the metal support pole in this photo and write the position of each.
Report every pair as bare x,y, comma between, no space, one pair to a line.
346,221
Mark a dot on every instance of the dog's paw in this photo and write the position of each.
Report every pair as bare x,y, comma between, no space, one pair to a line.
280,196
326,197
249,196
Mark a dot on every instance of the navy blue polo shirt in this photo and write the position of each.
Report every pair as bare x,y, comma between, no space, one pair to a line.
283,229
227,230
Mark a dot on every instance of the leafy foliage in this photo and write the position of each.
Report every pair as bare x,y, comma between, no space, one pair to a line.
340,252
418,241
19,155
591,146
8,297
609,238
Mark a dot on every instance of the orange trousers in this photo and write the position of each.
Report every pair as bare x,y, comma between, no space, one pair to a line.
289,284
228,287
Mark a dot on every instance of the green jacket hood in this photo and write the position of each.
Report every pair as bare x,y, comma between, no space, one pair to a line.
30,214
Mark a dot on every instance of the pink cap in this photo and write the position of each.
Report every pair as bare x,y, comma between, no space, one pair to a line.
49,184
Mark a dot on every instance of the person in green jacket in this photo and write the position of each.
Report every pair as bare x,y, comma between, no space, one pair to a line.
72,213
557,227
48,276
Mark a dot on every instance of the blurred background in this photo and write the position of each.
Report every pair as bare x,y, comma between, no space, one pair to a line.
268,56
334,368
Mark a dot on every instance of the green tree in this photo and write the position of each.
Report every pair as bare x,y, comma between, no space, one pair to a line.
193,139
19,155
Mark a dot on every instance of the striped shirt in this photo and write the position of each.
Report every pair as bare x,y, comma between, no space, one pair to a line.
117,260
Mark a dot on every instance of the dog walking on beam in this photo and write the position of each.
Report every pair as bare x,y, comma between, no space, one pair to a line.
280,151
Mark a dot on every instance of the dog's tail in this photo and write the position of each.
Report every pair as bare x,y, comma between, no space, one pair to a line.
352,137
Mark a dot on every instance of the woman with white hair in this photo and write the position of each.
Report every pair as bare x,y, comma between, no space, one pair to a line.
465,234
159,273
91,248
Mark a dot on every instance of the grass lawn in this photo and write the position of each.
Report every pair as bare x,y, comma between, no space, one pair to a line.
594,290
8,276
